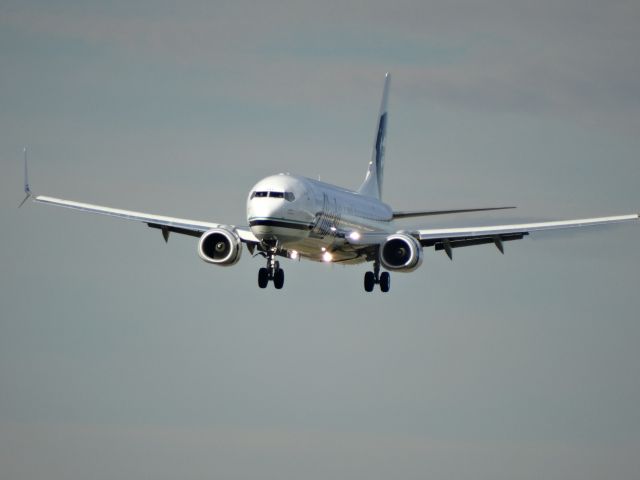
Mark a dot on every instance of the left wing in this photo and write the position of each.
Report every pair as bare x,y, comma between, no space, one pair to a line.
449,238
428,213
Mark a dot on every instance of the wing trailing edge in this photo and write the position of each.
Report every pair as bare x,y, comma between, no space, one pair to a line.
427,213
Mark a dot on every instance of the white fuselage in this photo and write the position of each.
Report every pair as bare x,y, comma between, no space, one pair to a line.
311,219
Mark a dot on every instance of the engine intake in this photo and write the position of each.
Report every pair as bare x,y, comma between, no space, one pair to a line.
401,252
220,246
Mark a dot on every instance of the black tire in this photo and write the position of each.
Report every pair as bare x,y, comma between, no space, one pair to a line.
263,278
278,279
385,281
369,281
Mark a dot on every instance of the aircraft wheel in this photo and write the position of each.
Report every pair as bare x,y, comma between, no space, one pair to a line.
385,281
369,281
278,279
263,277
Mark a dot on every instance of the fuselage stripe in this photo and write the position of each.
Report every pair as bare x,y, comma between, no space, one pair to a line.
280,223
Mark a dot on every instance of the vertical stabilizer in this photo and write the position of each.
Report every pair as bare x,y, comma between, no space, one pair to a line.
372,185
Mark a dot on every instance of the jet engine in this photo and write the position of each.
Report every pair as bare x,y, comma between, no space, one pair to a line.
220,246
401,252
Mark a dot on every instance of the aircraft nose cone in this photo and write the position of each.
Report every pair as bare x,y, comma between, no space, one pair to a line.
275,208
262,209
263,217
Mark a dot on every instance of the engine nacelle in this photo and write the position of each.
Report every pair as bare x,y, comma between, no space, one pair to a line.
401,252
220,246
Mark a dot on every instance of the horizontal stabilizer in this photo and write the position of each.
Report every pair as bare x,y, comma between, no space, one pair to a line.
427,213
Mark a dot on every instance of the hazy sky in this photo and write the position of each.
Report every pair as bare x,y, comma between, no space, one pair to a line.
123,357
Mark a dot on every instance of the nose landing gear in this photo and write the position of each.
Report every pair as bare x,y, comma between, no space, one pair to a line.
372,278
271,272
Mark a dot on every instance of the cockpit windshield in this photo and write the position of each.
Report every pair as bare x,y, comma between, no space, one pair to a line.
289,196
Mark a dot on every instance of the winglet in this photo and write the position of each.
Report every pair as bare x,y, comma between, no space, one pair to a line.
27,188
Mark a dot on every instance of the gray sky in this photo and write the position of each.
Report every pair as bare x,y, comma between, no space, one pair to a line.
123,357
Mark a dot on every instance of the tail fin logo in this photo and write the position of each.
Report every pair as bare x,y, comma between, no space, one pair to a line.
382,128
372,185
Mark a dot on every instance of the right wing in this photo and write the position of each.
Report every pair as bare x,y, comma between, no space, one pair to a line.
190,227
183,226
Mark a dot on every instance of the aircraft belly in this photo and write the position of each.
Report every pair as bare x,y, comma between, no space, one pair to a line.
284,235
313,248
308,246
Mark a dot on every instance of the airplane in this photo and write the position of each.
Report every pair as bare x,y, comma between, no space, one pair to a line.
296,217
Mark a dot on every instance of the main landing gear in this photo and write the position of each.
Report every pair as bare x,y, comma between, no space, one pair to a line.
372,278
271,272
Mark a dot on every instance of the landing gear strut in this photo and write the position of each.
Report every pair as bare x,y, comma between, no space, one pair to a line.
372,278
271,272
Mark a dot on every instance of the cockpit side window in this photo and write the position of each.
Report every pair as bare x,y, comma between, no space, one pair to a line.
289,196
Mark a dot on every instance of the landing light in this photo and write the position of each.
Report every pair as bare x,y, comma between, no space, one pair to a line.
293,254
327,257
354,236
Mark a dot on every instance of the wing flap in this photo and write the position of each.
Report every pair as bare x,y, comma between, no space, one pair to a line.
471,241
